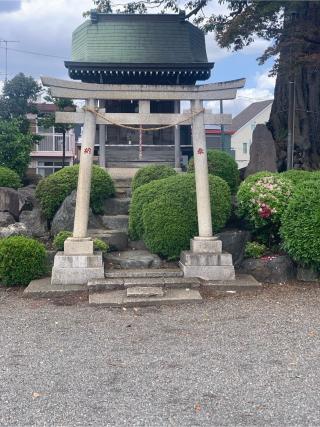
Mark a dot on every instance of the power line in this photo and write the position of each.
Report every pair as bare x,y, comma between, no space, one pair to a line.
6,57
35,53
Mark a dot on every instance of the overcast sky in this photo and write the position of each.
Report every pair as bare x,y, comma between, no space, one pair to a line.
44,27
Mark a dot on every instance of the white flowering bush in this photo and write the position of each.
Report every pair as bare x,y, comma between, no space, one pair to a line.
262,199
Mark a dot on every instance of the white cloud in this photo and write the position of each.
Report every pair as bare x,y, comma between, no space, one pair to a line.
263,90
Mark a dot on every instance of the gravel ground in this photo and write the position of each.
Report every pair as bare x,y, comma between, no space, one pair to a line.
231,361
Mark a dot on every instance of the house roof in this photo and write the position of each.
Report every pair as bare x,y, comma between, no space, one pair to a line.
112,45
248,114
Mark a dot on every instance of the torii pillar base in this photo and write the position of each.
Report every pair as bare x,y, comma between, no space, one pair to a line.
206,260
78,264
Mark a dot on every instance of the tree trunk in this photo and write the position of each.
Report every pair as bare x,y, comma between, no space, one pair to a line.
300,60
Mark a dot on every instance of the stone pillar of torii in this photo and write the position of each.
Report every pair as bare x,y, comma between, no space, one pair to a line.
79,263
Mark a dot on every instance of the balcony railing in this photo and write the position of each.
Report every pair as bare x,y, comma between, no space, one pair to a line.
52,142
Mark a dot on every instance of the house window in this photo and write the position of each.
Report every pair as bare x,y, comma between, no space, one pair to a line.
45,168
245,148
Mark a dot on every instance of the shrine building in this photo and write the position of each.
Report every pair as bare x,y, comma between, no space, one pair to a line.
128,49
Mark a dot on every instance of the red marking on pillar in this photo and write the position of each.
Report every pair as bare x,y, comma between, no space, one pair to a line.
87,150
200,151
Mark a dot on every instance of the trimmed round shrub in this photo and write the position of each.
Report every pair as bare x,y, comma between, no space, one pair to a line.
221,164
164,212
22,259
151,173
262,198
301,224
52,190
9,178
296,176
58,242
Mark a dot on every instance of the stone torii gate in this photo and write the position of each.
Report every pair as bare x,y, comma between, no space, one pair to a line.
78,263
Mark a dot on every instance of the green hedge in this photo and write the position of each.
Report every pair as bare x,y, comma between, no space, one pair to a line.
301,224
22,259
164,213
297,176
52,190
221,164
151,173
9,178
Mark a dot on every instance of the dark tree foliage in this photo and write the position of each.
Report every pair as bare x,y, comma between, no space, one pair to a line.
18,94
292,28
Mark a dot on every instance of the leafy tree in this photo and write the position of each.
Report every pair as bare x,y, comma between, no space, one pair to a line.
17,96
292,28
15,146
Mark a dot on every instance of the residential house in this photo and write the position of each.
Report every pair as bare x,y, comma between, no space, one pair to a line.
46,157
242,128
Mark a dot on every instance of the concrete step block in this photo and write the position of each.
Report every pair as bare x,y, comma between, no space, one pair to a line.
143,282
75,276
145,273
145,291
181,282
206,258
75,261
117,206
120,299
242,282
209,272
101,285
116,222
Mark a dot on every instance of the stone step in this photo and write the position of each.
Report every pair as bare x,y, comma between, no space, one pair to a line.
116,239
119,298
242,283
120,283
123,192
144,273
117,206
134,259
145,291
206,258
116,222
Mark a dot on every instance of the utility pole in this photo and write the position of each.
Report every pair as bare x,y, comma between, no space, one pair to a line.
291,101
222,127
6,55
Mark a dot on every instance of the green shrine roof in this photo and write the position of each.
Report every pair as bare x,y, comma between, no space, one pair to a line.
132,43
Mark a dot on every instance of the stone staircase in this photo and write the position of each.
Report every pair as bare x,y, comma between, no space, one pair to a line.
143,287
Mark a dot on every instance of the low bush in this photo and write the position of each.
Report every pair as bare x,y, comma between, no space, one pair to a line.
22,259
223,165
52,190
301,224
164,213
262,199
297,176
58,242
151,173
255,250
9,178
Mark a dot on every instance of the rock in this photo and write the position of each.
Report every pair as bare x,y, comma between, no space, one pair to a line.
271,269
134,259
307,275
64,218
9,201
27,198
116,239
137,244
16,229
6,219
35,222
234,242
262,152
50,258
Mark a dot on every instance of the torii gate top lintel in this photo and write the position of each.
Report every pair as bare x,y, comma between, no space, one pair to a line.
78,90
